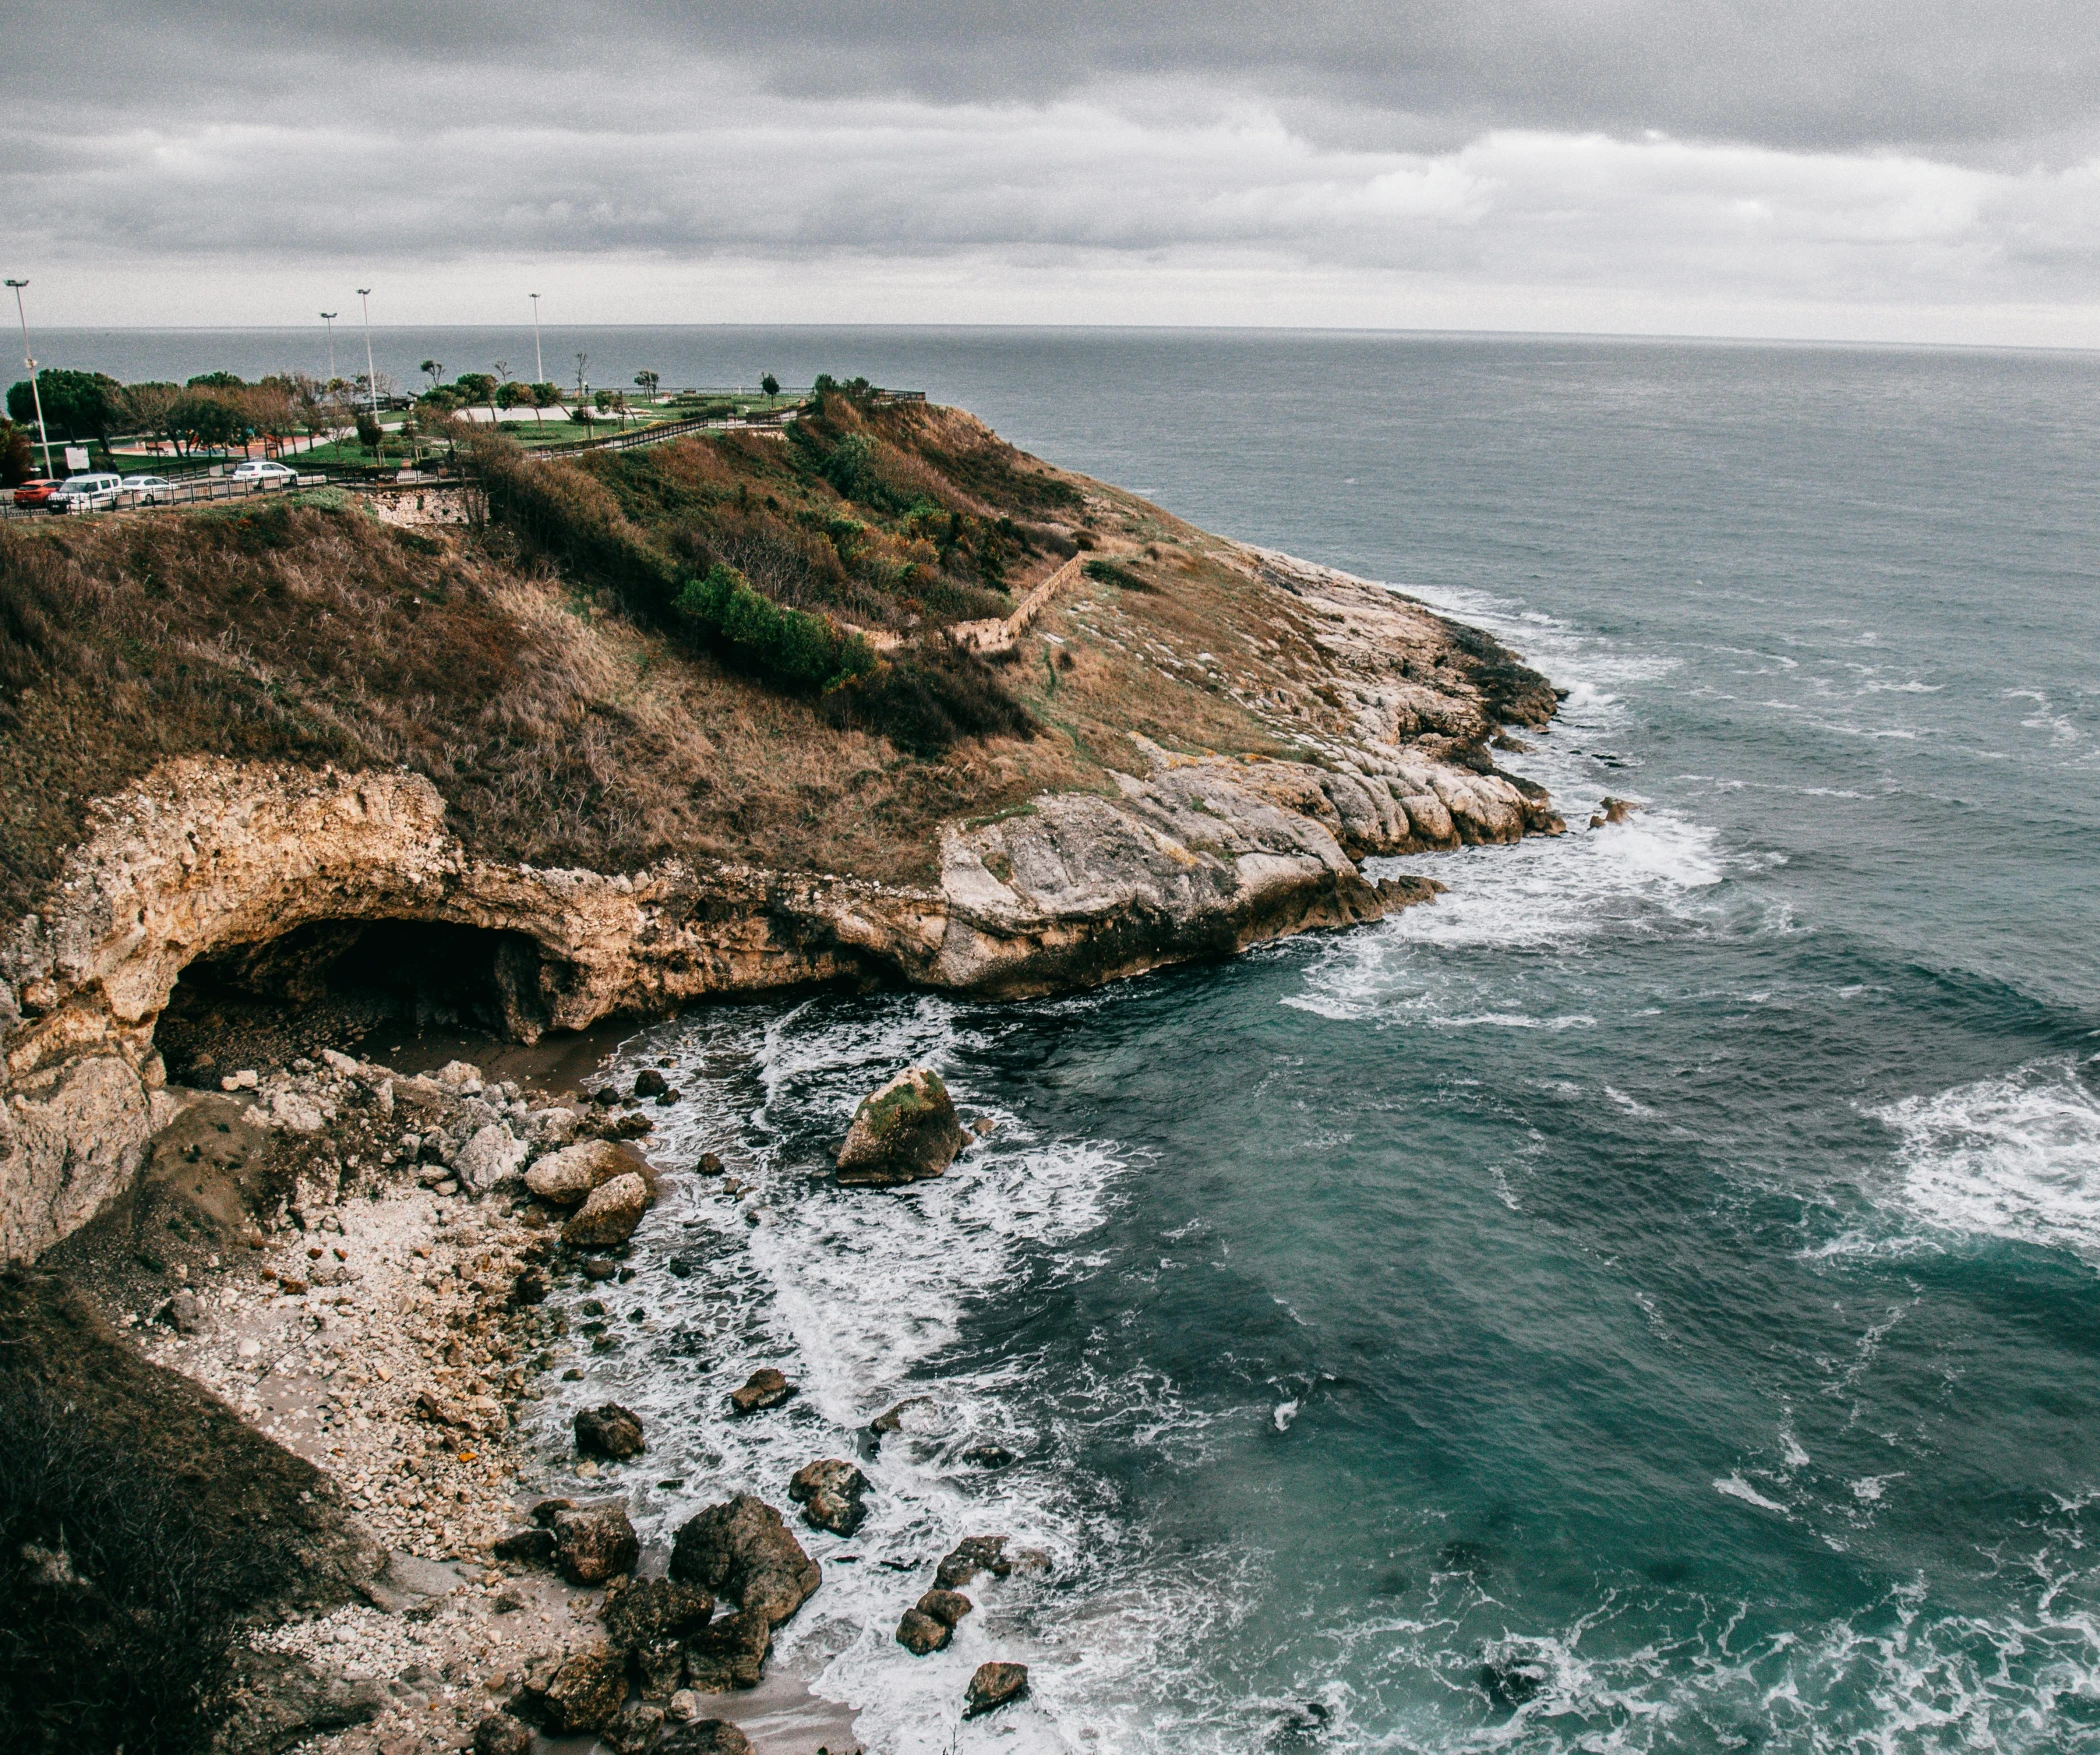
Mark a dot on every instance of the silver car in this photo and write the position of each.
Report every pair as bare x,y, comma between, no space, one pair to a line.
146,490
255,475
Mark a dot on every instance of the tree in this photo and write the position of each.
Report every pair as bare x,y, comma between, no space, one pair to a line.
77,405
205,420
769,384
499,382
145,407
216,381
583,390
17,456
369,433
646,383
436,371
544,396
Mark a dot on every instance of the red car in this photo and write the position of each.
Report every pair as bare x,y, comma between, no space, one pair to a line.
35,493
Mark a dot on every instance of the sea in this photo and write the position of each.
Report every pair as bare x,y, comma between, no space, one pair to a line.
1648,1300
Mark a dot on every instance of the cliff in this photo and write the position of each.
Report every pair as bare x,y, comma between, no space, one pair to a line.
253,750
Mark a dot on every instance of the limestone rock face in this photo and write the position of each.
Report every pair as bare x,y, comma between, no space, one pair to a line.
1193,856
904,1132
567,1177
609,1217
743,1548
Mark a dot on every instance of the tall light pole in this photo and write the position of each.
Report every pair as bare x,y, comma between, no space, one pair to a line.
35,392
539,365
328,317
364,294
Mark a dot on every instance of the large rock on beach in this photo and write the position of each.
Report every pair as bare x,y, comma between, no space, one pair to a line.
650,1620
708,1736
593,1543
609,1431
829,1493
576,1693
969,1557
993,1686
567,1177
608,1218
501,1734
743,1548
490,1158
764,1388
905,1132
728,1653
930,1623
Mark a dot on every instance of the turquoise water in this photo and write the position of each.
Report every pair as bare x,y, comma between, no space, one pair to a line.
1649,1300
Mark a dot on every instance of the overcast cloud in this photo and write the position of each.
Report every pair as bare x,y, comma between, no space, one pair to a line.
1929,171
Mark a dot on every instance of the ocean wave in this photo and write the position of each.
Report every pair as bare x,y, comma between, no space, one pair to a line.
2016,1157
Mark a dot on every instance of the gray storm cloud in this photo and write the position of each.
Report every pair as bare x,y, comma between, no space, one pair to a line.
1873,157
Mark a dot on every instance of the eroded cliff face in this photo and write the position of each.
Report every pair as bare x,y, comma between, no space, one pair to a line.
1199,855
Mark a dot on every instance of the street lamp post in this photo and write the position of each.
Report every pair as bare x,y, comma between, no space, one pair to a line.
35,391
539,365
328,317
364,294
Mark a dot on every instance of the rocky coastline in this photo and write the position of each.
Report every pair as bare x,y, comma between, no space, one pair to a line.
355,1261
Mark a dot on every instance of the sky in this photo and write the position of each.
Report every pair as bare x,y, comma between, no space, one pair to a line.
1922,171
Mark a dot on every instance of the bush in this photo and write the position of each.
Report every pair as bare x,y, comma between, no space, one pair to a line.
930,699
789,644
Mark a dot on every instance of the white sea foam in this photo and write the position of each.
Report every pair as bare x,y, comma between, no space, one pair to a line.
1735,1487
2016,1157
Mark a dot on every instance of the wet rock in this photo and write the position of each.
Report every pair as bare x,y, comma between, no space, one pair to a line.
609,1216
728,1653
650,1083
597,1270
988,1456
993,1686
969,1557
656,1609
904,1132
595,1542
891,1419
709,1165
529,1288
532,1547
829,1493
930,1623
567,1177
609,1431
708,1736
633,1728
921,1635
1613,810
742,1548
764,1388
684,1706
579,1692
1510,1682
500,1734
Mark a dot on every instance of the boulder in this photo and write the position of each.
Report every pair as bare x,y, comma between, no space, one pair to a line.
500,1734
530,1287
993,1686
593,1543
490,1158
969,1557
528,1547
1613,810
578,1692
829,1493
684,1707
742,1548
710,1164
609,1216
728,1653
945,1606
921,1635
656,1609
566,1178
185,1312
904,1132
633,1728
650,1083
609,1431
764,1388
707,1736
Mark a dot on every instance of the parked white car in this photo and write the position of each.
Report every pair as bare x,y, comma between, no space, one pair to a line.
146,490
85,493
255,475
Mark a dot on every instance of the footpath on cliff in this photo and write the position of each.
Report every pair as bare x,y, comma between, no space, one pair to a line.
286,790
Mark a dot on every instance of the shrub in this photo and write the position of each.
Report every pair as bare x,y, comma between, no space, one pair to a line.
1120,577
789,644
930,699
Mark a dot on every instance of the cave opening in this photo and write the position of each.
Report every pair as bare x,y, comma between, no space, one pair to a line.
336,983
